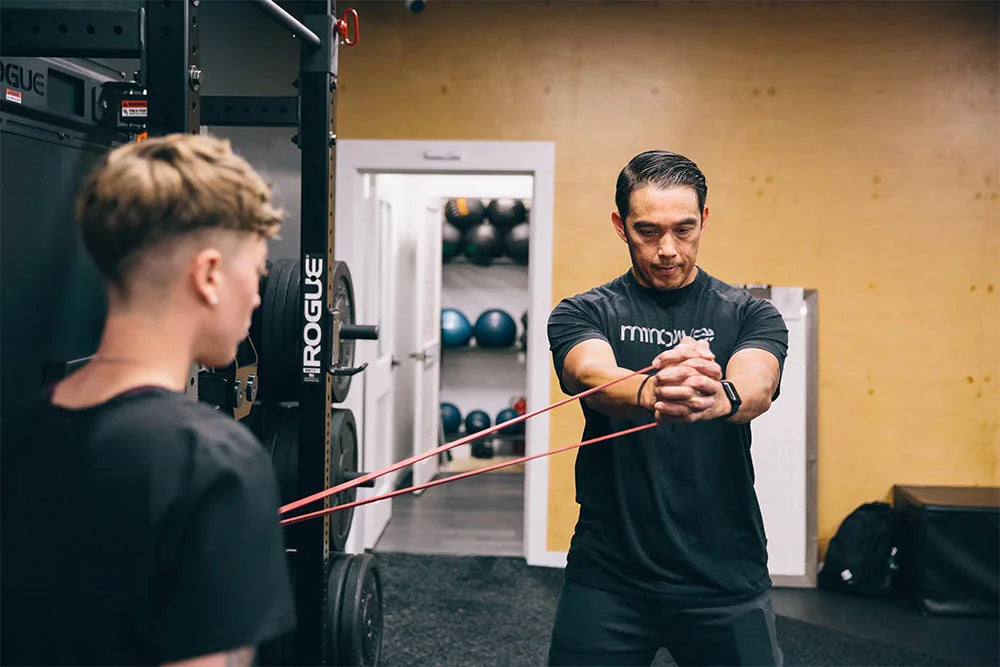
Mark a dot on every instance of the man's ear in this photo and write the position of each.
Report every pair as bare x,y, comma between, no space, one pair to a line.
704,218
619,224
206,275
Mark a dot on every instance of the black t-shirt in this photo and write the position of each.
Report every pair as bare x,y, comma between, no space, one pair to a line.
670,511
138,531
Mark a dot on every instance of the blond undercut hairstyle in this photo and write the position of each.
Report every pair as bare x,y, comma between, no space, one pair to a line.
148,194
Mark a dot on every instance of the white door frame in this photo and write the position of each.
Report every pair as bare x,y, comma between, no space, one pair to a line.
356,158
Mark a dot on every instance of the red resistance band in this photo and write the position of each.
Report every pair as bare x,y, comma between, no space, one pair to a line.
471,473
443,448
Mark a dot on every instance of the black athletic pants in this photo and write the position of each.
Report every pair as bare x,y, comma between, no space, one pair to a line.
595,627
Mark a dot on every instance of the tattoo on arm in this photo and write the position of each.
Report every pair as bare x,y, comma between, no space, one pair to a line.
241,657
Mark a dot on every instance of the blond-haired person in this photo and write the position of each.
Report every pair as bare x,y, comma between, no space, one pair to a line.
139,526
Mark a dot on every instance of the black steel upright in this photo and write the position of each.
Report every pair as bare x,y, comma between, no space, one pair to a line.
71,33
317,89
172,71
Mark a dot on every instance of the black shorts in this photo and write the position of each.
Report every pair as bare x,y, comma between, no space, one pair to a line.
595,627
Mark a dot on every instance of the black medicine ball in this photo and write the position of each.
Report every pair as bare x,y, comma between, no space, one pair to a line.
451,241
515,243
464,212
505,213
482,244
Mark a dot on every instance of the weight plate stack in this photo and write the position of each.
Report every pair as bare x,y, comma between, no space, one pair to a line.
280,437
281,440
354,611
280,327
281,330
344,445
255,319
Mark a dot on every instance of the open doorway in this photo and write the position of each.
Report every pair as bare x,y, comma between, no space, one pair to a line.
392,206
474,368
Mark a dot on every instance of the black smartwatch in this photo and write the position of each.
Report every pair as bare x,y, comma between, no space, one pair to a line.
733,396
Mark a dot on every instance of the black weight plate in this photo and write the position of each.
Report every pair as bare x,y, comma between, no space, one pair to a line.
284,356
360,618
267,319
256,325
281,330
284,446
275,357
344,450
336,576
291,365
343,302
287,328
270,348
268,431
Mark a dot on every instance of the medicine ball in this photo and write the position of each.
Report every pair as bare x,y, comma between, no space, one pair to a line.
451,418
515,243
464,213
482,450
506,415
476,421
482,244
455,328
495,328
505,213
451,241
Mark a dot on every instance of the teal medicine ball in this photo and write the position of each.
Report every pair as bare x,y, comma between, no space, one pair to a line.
455,328
495,328
476,421
451,418
506,415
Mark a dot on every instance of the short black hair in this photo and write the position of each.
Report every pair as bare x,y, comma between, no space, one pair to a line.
661,169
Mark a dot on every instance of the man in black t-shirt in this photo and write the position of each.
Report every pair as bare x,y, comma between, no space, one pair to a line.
669,549
139,526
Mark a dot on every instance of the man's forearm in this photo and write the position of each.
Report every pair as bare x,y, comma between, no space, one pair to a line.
617,401
755,389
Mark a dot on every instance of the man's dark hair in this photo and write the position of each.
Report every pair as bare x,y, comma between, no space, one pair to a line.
660,169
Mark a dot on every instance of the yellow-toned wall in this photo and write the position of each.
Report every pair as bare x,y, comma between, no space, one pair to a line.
849,147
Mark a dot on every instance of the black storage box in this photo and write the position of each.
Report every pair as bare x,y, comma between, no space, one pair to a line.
949,548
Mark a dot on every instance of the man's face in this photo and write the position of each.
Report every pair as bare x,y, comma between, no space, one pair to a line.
663,232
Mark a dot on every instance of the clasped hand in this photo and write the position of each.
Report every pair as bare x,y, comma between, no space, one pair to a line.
687,385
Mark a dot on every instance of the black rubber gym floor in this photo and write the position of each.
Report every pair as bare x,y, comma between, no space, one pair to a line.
485,610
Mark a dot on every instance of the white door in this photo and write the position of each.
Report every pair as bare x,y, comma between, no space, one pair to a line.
364,240
427,356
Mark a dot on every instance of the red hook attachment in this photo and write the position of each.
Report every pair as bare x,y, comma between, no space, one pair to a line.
342,27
